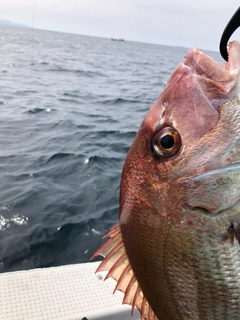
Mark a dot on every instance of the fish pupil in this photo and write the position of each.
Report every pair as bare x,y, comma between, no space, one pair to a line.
167,141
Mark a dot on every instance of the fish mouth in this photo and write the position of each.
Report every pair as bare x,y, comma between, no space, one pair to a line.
215,191
218,83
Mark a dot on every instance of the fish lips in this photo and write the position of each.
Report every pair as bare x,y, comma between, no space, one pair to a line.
215,191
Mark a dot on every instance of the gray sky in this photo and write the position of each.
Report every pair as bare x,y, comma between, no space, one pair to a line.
172,22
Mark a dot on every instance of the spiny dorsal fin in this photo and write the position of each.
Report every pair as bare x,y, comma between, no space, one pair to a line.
118,266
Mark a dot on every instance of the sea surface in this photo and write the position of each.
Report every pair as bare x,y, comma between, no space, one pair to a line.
70,108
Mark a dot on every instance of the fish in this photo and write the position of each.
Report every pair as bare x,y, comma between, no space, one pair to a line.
175,252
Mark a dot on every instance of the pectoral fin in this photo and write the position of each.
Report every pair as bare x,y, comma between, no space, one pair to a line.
118,266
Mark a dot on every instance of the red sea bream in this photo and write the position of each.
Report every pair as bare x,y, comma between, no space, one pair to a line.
175,253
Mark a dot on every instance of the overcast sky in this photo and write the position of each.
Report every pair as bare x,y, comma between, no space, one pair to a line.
172,22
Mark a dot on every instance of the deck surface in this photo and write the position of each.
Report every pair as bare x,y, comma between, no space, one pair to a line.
71,292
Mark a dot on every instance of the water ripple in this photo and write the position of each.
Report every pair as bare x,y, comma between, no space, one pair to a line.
70,108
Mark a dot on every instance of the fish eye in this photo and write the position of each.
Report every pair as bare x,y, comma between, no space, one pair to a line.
167,142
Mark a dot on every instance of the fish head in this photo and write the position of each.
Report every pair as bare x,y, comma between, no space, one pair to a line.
181,173
191,129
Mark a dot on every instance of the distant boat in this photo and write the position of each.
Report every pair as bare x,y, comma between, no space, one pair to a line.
120,39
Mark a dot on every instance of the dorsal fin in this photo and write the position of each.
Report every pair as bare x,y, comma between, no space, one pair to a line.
118,266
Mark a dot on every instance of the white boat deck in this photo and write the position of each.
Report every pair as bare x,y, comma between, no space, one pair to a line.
71,292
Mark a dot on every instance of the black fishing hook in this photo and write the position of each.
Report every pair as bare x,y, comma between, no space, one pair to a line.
232,26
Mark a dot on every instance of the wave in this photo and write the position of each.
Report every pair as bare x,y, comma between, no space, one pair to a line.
85,73
60,156
36,110
119,101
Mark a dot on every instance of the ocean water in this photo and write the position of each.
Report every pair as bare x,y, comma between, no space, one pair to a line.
70,108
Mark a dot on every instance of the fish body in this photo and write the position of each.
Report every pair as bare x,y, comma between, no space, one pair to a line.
176,252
